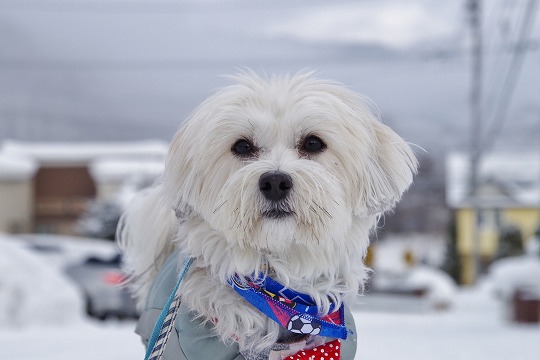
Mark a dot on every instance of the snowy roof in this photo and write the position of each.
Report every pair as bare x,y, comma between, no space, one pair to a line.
118,169
80,153
16,167
505,180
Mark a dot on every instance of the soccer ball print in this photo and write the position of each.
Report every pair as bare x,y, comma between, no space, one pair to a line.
300,325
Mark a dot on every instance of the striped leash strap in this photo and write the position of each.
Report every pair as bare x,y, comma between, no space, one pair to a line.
165,322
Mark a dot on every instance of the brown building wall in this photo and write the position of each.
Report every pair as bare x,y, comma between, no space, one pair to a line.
61,195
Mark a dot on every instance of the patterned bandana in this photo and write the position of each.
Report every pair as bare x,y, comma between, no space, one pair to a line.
294,311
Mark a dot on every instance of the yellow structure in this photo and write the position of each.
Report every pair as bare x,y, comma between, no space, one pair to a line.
526,219
508,193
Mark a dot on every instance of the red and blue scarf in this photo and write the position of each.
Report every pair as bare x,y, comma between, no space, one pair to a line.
294,311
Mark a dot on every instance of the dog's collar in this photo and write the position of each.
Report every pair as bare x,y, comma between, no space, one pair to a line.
294,311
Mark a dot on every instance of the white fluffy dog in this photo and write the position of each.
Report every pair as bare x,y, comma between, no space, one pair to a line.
284,176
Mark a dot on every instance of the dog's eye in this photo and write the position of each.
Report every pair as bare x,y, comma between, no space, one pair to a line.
243,147
313,144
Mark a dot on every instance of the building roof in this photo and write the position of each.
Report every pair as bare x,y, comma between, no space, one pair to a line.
107,161
81,153
504,180
16,168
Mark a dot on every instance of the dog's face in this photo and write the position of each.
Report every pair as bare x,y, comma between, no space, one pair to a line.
286,161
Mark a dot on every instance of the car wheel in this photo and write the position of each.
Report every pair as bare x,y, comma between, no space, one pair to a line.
89,308
101,317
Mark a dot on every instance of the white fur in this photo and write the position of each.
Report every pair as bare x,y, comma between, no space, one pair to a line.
336,198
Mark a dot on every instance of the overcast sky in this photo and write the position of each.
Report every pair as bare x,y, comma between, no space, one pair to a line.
121,69
122,29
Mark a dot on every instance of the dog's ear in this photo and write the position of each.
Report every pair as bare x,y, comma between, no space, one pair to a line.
180,170
387,174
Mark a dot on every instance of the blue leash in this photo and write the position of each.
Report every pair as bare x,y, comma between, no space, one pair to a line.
164,324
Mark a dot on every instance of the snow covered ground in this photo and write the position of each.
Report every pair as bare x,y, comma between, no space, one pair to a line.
81,340
474,328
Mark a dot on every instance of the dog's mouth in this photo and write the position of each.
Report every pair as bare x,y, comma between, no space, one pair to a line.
277,213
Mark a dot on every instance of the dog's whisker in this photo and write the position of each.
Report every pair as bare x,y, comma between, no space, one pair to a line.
251,123
219,207
237,218
236,221
246,225
324,210
314,236
315,212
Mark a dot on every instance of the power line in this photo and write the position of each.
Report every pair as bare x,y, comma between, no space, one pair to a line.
510,80
502,55
495,12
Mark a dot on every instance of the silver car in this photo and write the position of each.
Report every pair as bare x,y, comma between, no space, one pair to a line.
101,281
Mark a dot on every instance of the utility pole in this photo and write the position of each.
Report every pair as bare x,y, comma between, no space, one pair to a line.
474,9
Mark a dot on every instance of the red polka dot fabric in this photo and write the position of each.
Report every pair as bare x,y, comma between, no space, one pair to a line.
329,351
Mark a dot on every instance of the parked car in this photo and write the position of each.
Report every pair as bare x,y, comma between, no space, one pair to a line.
101,281
61,250
93,265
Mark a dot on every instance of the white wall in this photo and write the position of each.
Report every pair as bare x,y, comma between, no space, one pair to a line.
16,205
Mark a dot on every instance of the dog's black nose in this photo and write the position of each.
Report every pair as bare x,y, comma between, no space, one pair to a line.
275,185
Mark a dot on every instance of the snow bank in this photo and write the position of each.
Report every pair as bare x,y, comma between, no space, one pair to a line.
395,282
507,275
32,291
532,247
389,253
441,289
